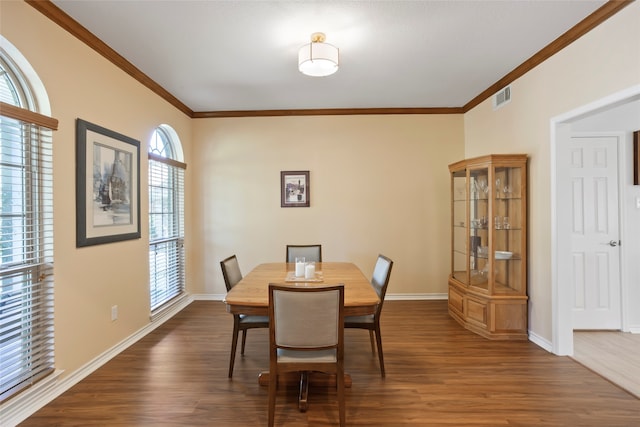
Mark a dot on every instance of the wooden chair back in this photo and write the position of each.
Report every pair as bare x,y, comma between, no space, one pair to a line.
231,271
380,279
309,252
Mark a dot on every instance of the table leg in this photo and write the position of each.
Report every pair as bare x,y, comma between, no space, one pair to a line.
316,379
303,379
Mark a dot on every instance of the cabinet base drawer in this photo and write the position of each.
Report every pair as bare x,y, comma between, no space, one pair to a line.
493,317
476,311
456,301
509,317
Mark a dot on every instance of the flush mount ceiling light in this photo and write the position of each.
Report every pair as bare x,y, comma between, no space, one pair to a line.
318,59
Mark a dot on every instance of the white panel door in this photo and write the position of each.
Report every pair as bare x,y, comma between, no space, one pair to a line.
595,253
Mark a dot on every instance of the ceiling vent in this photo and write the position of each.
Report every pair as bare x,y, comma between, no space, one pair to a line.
502,97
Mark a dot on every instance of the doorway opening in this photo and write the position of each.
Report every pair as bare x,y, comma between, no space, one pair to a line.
563,128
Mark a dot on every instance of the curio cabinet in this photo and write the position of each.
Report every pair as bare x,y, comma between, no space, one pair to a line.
488,280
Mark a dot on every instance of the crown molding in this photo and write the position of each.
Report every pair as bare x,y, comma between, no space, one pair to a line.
326,112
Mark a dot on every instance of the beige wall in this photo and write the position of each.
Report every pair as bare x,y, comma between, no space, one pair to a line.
602,62
379,184
88,281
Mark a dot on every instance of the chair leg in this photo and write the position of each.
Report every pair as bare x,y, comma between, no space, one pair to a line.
373,346
244,340
273,383
380,356
234,344
341,404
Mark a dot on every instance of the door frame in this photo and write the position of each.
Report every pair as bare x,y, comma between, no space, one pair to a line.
561,294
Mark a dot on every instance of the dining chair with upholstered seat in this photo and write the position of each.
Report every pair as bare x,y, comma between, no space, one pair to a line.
309,252
232,275
306,334
371,322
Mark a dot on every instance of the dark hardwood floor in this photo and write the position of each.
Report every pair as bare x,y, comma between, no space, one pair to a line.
438,374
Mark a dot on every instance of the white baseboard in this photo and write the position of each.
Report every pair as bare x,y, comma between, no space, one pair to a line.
634,329
208,297
20,407
397,297
540,342
415,297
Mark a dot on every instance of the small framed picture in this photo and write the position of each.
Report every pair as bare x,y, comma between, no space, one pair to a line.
636,157
107,186
294,189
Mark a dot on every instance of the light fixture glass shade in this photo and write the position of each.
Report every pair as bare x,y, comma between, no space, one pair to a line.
318,59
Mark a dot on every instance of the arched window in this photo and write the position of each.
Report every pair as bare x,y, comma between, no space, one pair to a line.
161,144
26,231
166,218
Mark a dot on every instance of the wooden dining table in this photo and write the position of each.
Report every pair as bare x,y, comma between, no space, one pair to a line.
251,296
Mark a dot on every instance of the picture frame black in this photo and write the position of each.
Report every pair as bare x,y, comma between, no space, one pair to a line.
636,157
294,189
107,185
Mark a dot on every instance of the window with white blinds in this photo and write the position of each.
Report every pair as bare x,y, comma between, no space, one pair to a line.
26,240
166,221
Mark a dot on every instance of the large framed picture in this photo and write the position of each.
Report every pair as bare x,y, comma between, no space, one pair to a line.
107,185
636,157
294,189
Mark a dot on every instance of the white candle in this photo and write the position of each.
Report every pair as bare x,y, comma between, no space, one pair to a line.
299,269
310,271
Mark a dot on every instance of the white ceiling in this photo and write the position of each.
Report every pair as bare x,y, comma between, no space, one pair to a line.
242,55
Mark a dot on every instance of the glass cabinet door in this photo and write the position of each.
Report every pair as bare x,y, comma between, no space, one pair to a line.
509,223
478,228
459,212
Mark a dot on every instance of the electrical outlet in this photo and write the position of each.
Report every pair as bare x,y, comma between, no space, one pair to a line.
638,202
114,312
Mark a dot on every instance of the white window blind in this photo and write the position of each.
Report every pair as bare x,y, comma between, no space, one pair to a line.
166,229
26,248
